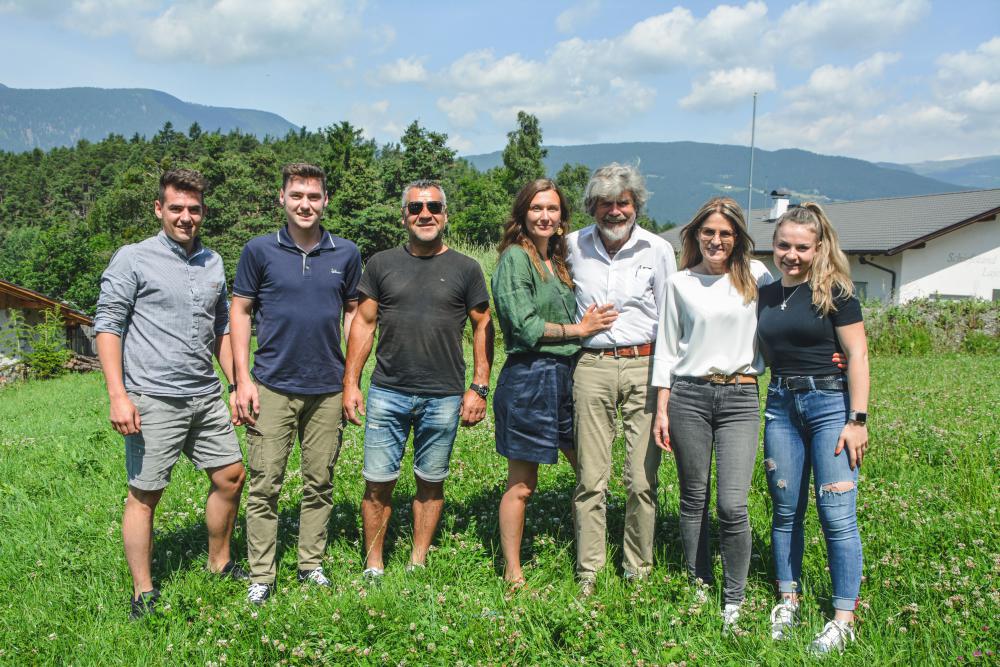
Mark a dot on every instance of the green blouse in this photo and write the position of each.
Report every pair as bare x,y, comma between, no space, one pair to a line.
525,302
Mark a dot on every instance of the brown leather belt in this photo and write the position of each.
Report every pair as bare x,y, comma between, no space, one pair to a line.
644,350
735,378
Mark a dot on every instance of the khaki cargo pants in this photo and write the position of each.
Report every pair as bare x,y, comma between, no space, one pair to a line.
318,421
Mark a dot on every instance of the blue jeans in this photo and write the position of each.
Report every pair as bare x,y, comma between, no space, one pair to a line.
801,430
389,417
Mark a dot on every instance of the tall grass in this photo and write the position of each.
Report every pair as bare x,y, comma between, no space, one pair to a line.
928,514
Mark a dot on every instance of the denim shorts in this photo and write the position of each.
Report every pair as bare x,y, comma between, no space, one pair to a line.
389,417
198,426
533,406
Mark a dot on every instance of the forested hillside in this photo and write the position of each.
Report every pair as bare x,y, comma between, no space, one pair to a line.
63,213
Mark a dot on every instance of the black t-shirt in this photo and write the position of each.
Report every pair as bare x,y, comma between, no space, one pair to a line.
798,340
423,303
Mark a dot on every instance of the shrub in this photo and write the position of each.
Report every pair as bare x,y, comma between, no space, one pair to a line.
48,355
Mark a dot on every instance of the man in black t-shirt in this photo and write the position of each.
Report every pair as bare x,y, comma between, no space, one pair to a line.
420,296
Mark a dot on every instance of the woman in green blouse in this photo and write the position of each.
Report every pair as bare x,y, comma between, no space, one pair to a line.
535,306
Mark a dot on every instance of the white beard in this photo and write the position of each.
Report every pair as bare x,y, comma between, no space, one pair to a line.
619,233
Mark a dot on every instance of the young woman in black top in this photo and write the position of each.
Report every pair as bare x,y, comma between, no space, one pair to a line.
813,420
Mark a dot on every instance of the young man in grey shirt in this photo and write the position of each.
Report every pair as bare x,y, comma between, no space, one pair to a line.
161,315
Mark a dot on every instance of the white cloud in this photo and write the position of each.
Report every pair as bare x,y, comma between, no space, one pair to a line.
678,39
459,143
461,110
983,97
962,68
574,17
851,111
830,88
840,24
225,31
726,88
216,32
403,70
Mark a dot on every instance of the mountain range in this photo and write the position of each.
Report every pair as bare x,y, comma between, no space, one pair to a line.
682,175
46,119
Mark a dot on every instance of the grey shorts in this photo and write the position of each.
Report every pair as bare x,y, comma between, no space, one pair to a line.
199,426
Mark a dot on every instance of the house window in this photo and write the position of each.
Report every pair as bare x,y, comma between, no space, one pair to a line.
861,290
996,295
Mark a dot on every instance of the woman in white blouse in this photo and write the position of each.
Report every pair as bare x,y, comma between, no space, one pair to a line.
706,366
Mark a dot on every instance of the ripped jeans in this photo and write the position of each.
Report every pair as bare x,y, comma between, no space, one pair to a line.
801,430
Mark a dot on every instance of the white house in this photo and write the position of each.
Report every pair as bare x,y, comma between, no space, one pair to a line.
944,246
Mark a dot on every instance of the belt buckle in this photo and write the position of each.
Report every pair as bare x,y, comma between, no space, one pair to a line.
720,378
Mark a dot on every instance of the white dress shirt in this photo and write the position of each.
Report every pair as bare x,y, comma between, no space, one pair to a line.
634,281
706,328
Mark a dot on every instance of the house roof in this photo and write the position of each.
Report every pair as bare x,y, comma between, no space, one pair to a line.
886,226
32,299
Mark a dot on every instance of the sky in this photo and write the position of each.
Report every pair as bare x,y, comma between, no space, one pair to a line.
882,80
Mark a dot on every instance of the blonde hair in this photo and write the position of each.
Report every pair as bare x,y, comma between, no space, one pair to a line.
738,264
830,268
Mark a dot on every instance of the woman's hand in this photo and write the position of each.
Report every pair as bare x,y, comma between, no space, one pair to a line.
661,427
854,438
596,319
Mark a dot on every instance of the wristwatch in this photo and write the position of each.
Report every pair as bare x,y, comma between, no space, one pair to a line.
480,389
857,417
231,388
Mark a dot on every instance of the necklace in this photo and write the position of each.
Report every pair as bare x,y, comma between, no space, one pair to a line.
785,299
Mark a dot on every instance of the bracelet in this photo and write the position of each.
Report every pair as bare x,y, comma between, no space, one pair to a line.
562,332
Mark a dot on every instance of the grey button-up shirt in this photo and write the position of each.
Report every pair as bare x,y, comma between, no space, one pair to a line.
168,308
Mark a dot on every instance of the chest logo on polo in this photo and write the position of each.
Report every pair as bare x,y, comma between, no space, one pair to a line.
335,271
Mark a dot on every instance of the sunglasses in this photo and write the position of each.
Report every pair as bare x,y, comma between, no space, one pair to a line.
708,234
415,207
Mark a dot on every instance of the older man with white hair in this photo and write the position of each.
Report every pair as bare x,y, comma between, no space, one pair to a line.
615,261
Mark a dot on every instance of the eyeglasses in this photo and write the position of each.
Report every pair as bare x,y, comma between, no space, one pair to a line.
709,234
415,207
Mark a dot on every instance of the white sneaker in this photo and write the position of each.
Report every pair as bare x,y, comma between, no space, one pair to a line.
730,615
834,637
258,594
373,575
314,577
783,618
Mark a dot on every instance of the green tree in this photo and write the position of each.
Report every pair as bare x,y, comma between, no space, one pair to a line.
374,228
425,154
523,156
485,207
49,354
572,180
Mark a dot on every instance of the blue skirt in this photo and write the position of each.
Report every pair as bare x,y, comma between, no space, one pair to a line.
533,407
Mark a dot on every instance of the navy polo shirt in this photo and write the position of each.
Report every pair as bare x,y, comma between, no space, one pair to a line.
298,302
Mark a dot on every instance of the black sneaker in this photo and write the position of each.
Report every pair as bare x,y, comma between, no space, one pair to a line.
258,594
232,570
146,604
316,577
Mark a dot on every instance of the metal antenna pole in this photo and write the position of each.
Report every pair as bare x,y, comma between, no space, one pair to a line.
753,131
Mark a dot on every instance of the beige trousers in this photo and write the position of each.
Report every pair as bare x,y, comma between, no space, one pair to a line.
603,387
318,421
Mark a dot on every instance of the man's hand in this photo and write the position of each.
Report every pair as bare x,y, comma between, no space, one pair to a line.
354,404
245,403
124,416
473,408
839,360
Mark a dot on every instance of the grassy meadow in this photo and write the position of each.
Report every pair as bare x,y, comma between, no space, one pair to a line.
928,511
